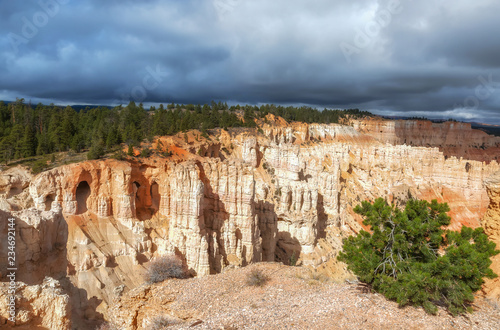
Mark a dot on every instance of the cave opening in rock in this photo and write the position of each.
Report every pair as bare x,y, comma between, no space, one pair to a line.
288,249
136,186
82,194
468,167
13,191
142,210
155,197
48,202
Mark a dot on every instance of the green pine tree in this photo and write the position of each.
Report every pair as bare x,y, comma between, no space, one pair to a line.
130,150
28,142
96,150
409,258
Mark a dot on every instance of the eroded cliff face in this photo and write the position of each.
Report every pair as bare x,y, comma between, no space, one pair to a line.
43,305
452,138
491,225
285,193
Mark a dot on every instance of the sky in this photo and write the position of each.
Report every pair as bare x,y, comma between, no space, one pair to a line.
436,59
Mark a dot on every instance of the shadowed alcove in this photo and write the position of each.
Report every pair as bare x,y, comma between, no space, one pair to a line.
48,202
142,207
82,194
136,188
155,197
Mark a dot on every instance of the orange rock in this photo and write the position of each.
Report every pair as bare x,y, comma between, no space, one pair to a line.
452,138
491,225
239,197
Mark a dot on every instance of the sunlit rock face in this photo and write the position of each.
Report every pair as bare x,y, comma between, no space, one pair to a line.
274,194
283,193
43,306
491,225
452,138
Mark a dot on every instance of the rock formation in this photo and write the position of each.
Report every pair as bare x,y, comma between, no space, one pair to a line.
491,225
452,138
40,247
284,193
43,305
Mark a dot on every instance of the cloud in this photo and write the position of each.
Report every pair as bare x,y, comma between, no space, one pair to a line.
410,57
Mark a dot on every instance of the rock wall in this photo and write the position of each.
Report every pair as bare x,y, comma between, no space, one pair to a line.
284,194
452,138
43,306
491,225
276,194
40,243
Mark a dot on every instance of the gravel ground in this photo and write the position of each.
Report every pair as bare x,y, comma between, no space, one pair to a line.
293,298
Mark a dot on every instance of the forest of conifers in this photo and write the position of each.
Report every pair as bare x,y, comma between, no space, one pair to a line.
27,130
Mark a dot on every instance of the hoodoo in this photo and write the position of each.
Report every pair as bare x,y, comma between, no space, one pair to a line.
282,192
491,225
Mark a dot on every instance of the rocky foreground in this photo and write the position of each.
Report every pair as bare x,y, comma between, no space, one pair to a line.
293,298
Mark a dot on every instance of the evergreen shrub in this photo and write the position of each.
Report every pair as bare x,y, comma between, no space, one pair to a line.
410,258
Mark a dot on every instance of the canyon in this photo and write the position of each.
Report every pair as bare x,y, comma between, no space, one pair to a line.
282,192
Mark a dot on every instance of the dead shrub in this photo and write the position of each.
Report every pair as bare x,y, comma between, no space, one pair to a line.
161,322
163,268
257,278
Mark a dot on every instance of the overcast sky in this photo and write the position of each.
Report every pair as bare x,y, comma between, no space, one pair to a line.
438,58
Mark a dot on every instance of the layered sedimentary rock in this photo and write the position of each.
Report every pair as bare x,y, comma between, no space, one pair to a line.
283,193
491,221
452,138
491,225
275,195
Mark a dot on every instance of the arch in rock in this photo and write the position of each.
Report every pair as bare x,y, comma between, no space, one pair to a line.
48,201
82,194
141,197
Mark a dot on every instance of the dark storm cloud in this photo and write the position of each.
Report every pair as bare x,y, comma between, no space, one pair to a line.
426,58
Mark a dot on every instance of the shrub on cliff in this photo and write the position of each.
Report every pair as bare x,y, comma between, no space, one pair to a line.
146,152
257,278
409,258
95,152
161,322
40,166
163,268
119,155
